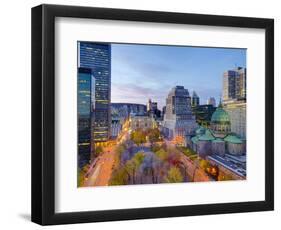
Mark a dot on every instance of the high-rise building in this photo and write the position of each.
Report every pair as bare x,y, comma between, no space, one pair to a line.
84,115
234,84
234,99
237,114
178,118
149,105
211,101
195,100
241,92
97,57
163,111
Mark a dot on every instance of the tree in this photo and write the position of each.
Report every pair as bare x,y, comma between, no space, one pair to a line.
174,175
98,150
162,154
138,136
133,165
153,135
213,171
223,177
120,149
138,158
204,164
187,151
119,177
81,174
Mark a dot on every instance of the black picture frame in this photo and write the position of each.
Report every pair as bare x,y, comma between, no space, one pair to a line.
43,114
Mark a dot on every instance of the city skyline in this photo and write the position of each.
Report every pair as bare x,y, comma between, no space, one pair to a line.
123,137
138,69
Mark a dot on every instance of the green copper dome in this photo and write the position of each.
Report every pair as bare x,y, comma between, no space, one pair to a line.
208,136
218,140
194,139
233,139
220,116
200,130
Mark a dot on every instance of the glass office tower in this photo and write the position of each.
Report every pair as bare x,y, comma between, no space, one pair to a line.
97,57
84,115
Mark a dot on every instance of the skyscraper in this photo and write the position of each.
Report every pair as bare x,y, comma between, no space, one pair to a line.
211,101
237,114
178,118
97,57
234,99
241,83
195,100
234,84
84,115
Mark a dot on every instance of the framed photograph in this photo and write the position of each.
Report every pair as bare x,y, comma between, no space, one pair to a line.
142,114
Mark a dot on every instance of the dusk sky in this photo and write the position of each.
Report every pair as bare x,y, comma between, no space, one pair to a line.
140,72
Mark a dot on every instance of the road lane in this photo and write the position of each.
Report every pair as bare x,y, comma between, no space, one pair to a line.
100,174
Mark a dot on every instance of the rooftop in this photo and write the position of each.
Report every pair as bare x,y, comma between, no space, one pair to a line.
208,136
233,139
220,116
232,166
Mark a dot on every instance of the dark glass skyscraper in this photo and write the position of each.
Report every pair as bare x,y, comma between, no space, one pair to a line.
97,57
84,115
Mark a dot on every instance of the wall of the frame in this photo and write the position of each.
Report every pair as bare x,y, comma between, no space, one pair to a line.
15,113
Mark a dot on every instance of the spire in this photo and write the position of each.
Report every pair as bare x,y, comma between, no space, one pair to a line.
220,104
194,94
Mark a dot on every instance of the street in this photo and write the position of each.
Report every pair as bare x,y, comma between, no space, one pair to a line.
100,174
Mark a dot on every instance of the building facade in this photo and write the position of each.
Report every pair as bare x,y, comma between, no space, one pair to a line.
178,118
234,84
234,99
203,114
237,113
218,139
152,109
211,101
84,115
195,100
125,109
120,112
97,57
116,126
241,92
143,122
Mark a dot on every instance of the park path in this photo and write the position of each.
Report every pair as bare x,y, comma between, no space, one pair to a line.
194,172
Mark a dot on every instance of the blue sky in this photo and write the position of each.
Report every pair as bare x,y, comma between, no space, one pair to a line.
140,72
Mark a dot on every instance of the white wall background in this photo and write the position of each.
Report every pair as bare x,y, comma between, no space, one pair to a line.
15,113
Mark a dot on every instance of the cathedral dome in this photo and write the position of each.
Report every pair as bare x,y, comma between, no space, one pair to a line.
220,116
220,122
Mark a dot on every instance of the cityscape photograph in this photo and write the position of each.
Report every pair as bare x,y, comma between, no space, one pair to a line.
154,114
